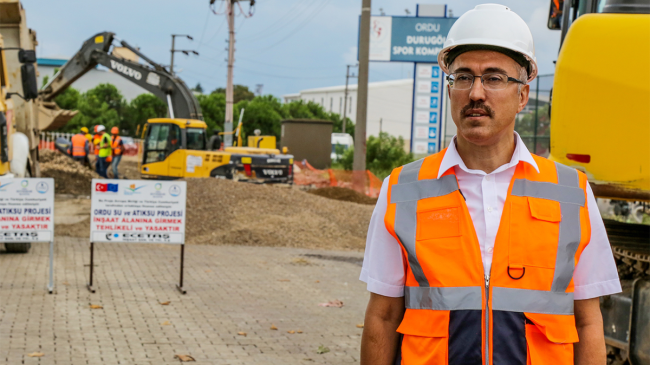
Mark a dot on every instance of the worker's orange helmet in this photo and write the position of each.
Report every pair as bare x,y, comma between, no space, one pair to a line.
115,130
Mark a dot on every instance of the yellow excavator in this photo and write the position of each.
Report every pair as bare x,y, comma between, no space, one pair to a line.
600,124
174,147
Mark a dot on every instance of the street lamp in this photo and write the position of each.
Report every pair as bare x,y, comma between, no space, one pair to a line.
184,51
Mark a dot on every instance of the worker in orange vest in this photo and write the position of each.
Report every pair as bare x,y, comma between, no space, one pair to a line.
484,253
118,149
79,148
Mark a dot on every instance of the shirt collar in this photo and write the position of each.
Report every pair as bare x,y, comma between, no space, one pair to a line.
452,158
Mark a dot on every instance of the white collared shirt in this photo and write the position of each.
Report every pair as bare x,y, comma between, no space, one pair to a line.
384,271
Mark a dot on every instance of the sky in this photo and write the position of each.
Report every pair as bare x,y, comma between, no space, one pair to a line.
286,46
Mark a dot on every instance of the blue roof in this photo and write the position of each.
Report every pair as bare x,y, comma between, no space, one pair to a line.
50,62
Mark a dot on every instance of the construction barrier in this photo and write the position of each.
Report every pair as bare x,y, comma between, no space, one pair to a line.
362,181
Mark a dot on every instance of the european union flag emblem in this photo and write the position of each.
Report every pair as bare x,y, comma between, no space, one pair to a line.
111,187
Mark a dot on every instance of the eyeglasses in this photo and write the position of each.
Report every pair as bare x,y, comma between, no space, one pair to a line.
491,81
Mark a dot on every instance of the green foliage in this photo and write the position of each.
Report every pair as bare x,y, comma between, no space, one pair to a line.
143,107
383,154
240,92
213,107
525,125
198,87
263,113
105,105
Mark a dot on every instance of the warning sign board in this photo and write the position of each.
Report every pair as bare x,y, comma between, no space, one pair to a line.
138,211
26,210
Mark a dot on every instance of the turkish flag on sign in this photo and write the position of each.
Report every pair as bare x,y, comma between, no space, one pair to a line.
100,187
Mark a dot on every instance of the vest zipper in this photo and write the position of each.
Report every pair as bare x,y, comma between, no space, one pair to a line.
487,320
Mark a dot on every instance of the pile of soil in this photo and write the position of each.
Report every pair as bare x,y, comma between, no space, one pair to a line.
227,212
344,194
70,177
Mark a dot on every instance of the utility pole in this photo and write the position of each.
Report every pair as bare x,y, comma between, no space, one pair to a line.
229,83
345,102
359,164
184,51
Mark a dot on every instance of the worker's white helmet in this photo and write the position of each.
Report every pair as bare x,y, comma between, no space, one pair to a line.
492,27
100,128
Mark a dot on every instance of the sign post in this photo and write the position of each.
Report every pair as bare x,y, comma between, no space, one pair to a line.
27,214
417,40
137,211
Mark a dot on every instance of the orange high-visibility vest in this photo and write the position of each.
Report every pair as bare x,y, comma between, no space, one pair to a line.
79,145
521,313
96,139
116,145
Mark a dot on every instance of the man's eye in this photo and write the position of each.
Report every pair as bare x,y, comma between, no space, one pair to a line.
463,78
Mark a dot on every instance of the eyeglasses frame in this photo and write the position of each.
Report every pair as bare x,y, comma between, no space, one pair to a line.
483,81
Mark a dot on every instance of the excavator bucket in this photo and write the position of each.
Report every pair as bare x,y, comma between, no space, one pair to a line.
51,117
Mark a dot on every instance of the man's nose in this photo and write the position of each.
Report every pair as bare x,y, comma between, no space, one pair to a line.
477,92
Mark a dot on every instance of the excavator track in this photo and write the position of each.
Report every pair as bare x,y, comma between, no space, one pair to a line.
631,247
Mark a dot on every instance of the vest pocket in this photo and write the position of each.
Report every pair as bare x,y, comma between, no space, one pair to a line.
438,223
550,338
426,337
534,232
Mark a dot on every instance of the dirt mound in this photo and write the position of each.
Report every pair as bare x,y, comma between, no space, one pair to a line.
344,194
70,177
227,212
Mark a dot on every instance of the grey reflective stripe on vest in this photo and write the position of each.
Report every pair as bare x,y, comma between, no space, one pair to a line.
571,197
406,220
531,301
422,189
549,191
570,233
448,298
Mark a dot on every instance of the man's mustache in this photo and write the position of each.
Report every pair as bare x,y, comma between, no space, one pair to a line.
477,105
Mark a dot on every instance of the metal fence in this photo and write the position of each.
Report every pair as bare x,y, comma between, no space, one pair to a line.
533,123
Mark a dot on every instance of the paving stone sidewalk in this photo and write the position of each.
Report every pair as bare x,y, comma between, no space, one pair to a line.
231,289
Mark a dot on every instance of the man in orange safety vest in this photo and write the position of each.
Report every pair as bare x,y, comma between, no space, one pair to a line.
484,253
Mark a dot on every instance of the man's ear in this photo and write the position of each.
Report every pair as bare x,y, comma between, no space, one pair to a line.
523,97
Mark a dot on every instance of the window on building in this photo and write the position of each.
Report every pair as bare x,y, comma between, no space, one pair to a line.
340,105
331,104
350,111
322,102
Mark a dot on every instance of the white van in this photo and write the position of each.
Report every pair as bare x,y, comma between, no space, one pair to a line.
343,139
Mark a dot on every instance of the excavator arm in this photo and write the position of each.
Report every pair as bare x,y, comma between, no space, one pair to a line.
153,77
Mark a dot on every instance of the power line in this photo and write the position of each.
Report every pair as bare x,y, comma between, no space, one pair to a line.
300,26
205,25
288,66
281,21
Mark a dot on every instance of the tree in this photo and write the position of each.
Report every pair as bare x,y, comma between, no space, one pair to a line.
213,107
263,113
198,88
142,108
240,92
299,109
383,154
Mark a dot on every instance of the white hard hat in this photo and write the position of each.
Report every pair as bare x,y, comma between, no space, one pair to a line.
100,128
491,26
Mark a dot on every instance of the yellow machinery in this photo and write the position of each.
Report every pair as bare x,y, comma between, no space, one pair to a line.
600,124
600,116
176,148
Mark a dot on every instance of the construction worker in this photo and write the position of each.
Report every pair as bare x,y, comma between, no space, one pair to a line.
80,147
96,139
484,253
118,149
104,151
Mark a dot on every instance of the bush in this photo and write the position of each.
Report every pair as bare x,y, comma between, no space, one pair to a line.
383,154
